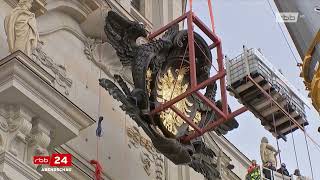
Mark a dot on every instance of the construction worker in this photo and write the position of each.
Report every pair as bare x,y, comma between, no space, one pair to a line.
253,171
283,170
252,166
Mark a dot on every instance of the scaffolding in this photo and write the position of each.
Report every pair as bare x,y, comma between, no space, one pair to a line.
253,80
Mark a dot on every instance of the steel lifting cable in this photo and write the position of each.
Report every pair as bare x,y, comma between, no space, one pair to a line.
181,64
293,141
283,34
206,57
275,130
307,145
285,112
294,146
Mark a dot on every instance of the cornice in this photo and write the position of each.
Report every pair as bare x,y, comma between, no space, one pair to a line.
6,158
30,81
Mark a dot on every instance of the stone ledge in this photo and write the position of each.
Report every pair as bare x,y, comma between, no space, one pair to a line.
13,169
22,81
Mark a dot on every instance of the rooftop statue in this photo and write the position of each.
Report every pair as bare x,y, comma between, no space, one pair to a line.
21,28
160,71
268,153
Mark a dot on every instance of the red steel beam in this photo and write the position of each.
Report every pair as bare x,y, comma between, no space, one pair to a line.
225,116
186,119
206,30
192,56
211,104
203,84
214,124
211,14
166,27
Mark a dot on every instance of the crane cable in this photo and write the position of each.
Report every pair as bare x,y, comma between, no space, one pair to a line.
312,140
293,142
309,156
275,130
283,34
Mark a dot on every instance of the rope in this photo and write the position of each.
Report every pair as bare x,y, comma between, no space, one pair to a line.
310,163
99,99
283,34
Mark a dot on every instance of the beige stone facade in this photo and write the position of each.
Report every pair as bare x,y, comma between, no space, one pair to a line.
49,101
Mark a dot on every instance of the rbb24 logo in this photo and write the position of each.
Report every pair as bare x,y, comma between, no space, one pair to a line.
54,160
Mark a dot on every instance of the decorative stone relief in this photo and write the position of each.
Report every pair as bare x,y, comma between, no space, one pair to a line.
24,136
105,57
40,57
150,158
16,126
39,141
21,28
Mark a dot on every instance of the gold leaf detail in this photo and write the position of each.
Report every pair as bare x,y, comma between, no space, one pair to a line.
169,87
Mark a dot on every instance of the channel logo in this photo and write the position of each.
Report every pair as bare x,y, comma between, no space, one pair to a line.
55,160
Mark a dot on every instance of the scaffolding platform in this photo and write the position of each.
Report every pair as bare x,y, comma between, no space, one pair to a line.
253,80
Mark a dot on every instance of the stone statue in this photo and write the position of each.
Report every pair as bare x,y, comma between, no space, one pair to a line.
268,153
21,28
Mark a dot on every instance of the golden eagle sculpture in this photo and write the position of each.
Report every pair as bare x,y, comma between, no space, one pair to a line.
160,71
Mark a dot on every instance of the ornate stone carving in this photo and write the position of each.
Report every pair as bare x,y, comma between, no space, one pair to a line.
39,141
59,71
168,62
23,133
16,126
90,48
21,28
107,61
150,158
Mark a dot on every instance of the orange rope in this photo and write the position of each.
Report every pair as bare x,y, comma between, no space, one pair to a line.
211,14
190,4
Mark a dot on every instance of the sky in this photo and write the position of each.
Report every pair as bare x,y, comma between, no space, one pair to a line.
253,24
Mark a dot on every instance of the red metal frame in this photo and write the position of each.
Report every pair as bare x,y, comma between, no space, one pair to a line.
224,114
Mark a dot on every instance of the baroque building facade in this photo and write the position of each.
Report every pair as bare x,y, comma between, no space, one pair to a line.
50,99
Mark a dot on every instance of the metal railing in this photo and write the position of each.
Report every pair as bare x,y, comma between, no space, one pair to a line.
266,174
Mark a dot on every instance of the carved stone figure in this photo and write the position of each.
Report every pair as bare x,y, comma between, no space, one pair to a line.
268,153
160,72
21,28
